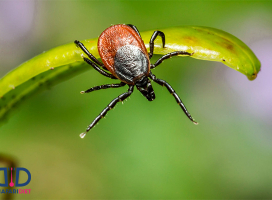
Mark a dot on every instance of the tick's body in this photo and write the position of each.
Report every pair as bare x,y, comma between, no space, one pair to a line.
125,56
123,53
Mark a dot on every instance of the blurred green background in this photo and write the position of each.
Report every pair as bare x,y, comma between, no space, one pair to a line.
142,150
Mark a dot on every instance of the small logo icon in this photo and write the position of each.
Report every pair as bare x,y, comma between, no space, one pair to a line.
16,184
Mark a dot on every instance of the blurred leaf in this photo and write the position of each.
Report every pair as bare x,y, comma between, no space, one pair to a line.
60,63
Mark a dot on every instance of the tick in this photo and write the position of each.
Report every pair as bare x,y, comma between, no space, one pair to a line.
125,56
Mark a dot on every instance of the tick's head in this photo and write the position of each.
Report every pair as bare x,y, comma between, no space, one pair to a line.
144,86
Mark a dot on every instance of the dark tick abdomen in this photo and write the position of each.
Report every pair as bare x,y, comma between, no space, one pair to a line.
130,63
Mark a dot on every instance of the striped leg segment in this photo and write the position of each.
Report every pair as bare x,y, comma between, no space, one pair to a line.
85,50
169,55
172,91
101,71
111,105
104,87
152,39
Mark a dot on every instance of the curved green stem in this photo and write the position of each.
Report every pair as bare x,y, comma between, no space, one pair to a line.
62,62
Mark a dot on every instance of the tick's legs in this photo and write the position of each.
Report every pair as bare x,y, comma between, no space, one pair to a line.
172,91
85,50
152,39
120,98
101,71
169,55
104,87
135,28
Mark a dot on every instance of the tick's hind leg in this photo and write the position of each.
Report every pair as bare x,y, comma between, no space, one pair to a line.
172,91
104,87
111,105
